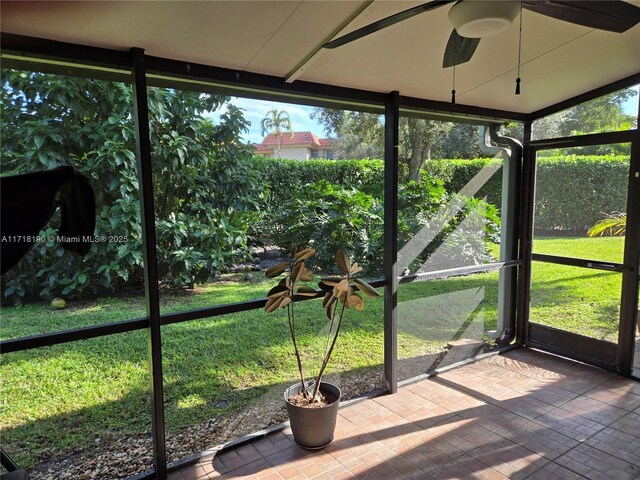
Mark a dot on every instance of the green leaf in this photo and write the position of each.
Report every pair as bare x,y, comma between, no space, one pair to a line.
39,141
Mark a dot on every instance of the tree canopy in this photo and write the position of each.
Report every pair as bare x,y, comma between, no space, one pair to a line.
361,134
205,192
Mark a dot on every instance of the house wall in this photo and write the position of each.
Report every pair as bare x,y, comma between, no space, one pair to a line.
295,153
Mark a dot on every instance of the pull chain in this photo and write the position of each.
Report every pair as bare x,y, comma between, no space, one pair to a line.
453,91
519,52
453,87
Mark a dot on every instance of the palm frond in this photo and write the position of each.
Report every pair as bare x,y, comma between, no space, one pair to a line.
614,224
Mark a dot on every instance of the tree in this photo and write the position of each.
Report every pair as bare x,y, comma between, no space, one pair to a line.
602,114
361,134
460,142
277,121
205,192
418,138
357,135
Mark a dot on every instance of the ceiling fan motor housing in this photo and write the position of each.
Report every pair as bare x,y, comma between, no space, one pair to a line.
479,18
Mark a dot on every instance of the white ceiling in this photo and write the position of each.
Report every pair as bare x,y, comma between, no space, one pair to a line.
559,60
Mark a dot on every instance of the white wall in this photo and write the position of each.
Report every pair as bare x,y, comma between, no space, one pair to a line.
295,153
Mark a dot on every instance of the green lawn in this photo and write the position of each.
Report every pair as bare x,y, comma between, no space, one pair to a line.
582,301
57,399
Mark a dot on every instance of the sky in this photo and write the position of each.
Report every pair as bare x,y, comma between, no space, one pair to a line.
256,110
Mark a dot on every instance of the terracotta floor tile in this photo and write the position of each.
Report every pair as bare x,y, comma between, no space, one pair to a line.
553,471
520,415
617,443
596,464
194,473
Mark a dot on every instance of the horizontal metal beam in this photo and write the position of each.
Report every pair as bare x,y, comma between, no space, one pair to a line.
455,272
585,349
68,58
458,112
70,53
581,262
624,136
217,88
250,82
54,338
65,69
85,333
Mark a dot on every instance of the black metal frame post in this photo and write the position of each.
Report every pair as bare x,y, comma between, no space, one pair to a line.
527,189
152,295
391,140
629,297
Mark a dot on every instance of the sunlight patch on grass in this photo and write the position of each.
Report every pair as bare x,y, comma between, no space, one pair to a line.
191,401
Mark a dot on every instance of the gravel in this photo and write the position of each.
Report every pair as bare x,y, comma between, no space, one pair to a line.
116,456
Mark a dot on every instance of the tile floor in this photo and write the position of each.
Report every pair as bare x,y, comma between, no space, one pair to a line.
522,414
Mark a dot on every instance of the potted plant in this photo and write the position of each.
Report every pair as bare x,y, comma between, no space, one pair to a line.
313,405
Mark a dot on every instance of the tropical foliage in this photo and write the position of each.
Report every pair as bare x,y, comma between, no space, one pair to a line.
205,189
613,224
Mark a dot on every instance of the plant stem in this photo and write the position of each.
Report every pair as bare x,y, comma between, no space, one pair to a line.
326,348
327,356
292,329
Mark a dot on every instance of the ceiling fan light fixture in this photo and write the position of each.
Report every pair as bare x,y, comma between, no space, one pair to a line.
480,18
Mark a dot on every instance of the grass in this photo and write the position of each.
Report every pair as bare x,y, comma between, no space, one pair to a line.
582,301
57,399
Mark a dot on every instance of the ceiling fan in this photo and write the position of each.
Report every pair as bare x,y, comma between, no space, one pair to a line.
474,19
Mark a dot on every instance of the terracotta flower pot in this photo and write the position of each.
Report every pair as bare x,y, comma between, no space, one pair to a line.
313,427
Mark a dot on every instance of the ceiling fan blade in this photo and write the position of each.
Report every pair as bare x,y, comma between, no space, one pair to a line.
459,49
612,16
385,22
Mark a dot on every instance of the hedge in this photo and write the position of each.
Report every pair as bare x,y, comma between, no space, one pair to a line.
573,191
285,177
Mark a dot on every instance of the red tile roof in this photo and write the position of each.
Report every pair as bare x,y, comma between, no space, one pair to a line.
298,139
260,148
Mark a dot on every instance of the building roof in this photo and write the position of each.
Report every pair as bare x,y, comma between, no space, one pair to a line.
298,139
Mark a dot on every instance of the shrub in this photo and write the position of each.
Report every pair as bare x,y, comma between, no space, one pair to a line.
326,217
206,192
